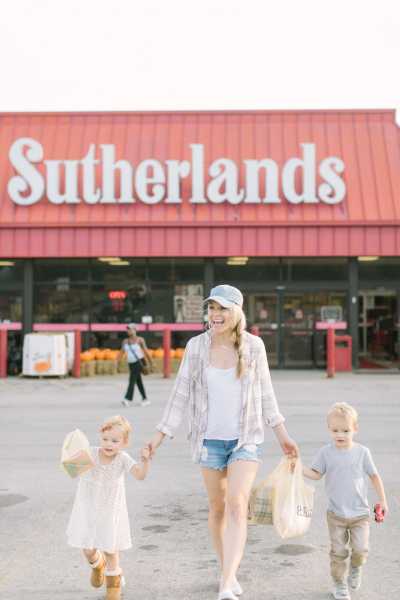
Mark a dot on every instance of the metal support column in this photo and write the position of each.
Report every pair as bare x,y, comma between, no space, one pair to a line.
27,298
208,275
352,308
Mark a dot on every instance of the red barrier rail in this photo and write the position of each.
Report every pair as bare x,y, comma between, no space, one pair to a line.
330,352
78,328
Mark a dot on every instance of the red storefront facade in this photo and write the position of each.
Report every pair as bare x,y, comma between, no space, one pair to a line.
284,204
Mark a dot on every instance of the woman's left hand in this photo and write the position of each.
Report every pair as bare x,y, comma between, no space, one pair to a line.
290,447
145,453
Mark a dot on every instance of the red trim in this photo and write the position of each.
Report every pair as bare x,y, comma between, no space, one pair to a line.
204,224
76,370
166,328
104,327
326,325
144,113
10,326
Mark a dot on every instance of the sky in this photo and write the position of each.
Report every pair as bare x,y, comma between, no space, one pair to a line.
97,55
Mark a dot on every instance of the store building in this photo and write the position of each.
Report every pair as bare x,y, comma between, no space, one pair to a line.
109,217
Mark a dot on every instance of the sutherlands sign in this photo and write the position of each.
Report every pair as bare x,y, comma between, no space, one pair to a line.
152,181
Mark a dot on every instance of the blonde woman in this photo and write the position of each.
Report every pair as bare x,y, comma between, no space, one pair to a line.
225,384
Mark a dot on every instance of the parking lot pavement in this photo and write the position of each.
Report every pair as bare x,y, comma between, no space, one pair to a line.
172,556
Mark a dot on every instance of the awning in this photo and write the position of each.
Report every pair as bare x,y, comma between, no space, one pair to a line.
306,183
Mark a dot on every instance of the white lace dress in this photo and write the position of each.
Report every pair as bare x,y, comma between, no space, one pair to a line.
99,517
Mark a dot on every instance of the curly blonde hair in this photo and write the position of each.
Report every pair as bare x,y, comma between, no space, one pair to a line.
237,338
117,421
342,409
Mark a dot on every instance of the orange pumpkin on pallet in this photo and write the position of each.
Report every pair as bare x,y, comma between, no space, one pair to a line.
42,366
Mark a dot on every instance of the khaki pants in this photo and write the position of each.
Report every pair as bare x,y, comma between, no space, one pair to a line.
347,534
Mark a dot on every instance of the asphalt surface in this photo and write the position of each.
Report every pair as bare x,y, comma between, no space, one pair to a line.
172,557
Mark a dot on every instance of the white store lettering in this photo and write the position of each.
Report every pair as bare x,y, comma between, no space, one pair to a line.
152,181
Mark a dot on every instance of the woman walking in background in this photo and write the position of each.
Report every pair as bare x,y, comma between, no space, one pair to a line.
137,353
225,384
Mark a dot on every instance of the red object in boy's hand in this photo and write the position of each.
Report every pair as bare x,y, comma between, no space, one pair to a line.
379,513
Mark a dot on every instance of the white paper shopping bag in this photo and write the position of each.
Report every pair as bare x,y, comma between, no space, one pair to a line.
293,500
75,455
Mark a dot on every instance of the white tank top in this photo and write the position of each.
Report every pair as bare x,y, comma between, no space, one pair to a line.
134,352
224,404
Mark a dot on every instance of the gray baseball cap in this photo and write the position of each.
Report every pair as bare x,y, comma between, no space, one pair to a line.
226,295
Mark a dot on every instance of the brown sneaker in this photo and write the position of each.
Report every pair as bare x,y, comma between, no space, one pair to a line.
97,576
113,583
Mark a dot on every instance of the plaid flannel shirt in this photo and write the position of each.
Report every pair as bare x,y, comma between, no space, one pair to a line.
189,394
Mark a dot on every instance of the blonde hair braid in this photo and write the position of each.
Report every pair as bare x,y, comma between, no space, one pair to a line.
237,337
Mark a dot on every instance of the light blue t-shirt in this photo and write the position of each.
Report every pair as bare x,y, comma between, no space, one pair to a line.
346,482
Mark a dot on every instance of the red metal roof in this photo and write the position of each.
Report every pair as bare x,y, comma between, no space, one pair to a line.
366,222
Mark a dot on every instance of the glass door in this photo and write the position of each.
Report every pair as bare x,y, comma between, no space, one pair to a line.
298,329
302,345
286,323
377,329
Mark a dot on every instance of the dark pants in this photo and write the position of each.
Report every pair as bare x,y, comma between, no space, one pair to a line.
135,377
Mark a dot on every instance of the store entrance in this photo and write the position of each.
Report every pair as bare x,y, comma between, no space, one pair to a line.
286,322
378,334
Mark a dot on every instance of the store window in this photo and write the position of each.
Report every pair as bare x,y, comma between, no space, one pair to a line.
61,303
117,271
161,270
314,269
61,271
119,290
11,288
176,290
61,291
244,271
189,270
384,270
189,293
11,306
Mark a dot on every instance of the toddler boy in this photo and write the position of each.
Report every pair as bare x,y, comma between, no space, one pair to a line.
345,465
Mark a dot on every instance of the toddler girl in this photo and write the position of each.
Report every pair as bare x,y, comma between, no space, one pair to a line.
99,521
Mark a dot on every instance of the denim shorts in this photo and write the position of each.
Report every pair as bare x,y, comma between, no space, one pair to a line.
218,454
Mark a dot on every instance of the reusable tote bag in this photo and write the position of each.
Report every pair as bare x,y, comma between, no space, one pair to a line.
75,454
293,500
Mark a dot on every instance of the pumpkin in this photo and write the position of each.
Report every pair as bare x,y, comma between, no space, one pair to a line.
42,366
86,356
158,353
179,352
